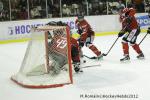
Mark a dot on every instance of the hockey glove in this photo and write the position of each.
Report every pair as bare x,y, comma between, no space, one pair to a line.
81,44
79,31
138,31
148,31
121,33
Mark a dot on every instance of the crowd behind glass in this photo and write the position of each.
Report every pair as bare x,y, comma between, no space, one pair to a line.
36,9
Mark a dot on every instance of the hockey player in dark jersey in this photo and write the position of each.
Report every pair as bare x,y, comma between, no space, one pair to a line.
86,36
132,30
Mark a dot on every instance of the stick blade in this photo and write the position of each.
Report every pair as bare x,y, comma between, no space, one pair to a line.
104,54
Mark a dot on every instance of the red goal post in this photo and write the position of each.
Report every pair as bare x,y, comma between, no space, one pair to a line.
47,61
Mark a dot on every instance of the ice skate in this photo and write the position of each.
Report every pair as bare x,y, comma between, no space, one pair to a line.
140,56
126,58
77,68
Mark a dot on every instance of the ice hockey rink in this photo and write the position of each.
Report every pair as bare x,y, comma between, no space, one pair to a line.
110,78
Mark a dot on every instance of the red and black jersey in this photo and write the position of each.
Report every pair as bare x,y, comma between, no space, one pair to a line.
129,23
85,26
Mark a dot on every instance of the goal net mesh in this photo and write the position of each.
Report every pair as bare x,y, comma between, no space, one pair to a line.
47,61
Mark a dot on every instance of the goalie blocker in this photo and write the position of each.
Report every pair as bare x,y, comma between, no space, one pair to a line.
47,61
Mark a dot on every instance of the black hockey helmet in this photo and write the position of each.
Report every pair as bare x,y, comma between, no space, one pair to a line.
80,17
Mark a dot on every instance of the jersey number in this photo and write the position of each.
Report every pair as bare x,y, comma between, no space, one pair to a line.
61,43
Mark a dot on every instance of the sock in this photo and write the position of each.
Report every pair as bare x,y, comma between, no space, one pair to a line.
125,47
137,48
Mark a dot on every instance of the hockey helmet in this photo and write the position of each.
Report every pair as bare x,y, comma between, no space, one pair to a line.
80,17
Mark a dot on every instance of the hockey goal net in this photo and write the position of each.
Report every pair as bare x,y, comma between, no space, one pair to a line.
47,61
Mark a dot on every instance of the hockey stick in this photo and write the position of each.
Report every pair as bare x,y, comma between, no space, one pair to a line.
90,57
98,65
147,31
143,38
111,47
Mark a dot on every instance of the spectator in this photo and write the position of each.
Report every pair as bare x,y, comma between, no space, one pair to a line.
75,8
139,5
114,10
147,6
1,6
4,14
121,4
23,4
66,11
23,14
1,10
35,13
50,8
55,11
14,10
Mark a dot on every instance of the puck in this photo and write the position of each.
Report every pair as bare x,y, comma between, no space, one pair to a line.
84,61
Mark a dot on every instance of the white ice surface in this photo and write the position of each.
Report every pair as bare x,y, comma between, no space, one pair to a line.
112,77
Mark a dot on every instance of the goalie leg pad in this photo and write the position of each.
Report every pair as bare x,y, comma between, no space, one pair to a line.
55,67
58,62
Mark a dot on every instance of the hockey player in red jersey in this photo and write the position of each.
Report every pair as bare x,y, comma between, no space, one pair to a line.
86,35
132,30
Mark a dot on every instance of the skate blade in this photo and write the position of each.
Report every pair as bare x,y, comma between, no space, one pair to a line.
124,61
141,58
